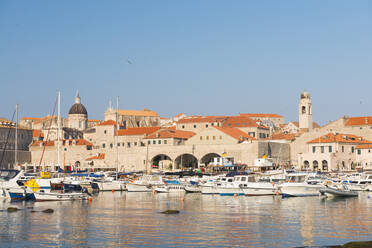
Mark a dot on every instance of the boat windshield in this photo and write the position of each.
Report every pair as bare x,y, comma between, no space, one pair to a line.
296,179
7,175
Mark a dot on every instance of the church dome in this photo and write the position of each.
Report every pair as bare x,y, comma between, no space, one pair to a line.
78,108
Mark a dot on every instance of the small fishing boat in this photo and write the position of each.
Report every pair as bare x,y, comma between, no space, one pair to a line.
41,195
192,189
340,190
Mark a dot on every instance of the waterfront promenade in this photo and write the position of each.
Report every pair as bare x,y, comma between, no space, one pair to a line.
124,219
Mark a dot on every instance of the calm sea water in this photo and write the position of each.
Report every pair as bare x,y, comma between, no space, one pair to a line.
134,220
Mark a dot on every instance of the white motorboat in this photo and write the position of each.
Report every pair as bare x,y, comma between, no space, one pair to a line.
41,195
145,183
208,185
299,184
234,185
338,190
192,189
169,188
110,185
9,187
260,188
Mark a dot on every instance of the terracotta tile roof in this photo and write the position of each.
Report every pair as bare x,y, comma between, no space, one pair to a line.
359,121
107,123
98,156
171,133
94,120
45,143
241,121
235,133
262,115
78,142
137,131
145,112
364,146
37,133
340,138
179,115
201,119
282,136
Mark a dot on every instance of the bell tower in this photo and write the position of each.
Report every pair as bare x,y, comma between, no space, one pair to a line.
305,112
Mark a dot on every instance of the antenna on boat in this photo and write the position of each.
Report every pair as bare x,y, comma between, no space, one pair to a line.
116,136
59,128
16,139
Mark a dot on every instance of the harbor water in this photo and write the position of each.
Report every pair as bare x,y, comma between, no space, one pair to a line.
124,219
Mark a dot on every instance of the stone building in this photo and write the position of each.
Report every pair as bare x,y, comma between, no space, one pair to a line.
133,118
333,152
77,115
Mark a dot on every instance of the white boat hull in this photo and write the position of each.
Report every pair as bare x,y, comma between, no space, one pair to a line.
294,189
110,186
260,189
132,187
49,196
229,191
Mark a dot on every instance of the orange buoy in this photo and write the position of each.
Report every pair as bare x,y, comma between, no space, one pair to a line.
182,199
113,191
90,199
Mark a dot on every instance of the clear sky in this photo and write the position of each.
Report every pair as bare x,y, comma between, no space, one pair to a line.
208,57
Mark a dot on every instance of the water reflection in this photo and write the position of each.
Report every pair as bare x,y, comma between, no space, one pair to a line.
134,220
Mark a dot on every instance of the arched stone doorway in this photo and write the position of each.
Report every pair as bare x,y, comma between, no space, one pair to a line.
208,158
315,165
186,161
162,162
306,165
325,165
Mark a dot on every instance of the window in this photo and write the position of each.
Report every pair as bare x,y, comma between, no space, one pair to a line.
369,150
343,149
183,126
154,142
314,149
159,142
207,137
352,149
105,132
123,144
201,137
206,125
330,149
135,143
103,145
322,149
118,144
111,145
165,142
194,126
138,123
148,142
214,137
128,144
359,152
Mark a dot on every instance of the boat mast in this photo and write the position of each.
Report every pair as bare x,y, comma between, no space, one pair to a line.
16,139
58,129
116,136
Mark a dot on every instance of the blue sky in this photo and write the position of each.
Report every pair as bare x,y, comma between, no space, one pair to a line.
207,57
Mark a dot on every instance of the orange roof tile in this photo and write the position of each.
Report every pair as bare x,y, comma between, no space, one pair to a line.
235,133
98,156
179,115
31,118
45,143
37,133
359,121
171,133
340,138
200,119
282,136
241,121
137,131
94,120
262,115
107,123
